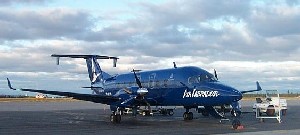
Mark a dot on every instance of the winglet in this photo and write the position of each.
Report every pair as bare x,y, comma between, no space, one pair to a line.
258,86
9,84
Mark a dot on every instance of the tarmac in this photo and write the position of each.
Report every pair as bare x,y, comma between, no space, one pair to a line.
79,117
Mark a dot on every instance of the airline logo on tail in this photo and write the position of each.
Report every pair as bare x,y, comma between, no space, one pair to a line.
94,70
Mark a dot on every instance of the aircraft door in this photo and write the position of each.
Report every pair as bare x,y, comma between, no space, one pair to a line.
151,83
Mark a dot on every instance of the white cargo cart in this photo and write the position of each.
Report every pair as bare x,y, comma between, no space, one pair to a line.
271,108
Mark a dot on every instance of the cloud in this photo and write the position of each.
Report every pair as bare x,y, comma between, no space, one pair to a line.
275,19
243,40
44,24
12,2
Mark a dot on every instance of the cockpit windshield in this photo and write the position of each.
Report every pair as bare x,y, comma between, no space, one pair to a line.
202,78
206,77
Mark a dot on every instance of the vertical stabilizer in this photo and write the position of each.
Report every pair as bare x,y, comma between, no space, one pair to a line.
94,70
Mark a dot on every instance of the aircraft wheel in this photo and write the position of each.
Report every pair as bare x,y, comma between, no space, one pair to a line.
190,116
115,118
112,118
235,124
205,113
270,110
186,116
171,113
144,113
118,118
164,112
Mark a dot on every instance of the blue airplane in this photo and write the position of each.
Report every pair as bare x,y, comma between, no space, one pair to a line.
188,86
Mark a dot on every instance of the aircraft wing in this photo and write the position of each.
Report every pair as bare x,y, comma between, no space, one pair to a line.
85,97
257,89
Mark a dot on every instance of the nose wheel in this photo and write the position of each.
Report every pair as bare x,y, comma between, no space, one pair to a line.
188,116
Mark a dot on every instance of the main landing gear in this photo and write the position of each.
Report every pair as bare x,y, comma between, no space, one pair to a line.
115,117
187,115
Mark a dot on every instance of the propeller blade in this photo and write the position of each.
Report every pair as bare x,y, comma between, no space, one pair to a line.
137,79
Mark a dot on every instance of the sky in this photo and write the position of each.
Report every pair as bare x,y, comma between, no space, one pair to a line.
245,41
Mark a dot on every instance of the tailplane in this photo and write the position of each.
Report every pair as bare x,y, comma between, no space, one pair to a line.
96,75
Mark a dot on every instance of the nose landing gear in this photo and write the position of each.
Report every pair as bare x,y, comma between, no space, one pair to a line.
187,115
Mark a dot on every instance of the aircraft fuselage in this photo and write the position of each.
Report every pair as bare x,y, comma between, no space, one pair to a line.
182,86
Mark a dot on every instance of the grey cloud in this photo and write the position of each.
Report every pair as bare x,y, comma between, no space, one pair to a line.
275,20
190,12
45,24
11,2
153,36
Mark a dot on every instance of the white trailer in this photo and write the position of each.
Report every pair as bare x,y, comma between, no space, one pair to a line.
271,107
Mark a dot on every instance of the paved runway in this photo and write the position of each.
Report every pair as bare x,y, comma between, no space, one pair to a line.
89,118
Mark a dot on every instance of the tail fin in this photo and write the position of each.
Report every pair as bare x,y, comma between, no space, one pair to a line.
96,75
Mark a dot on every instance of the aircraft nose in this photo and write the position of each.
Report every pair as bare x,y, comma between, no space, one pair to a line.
237,95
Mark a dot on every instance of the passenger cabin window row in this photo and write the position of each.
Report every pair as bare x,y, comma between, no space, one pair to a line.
150,84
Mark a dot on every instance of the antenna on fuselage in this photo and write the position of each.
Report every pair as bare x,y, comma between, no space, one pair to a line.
216,75
174,65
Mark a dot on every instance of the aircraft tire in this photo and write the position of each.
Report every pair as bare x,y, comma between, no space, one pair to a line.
164,112
112,118
115,118
171,113
186,116
205,113
118,118
190,116
270,111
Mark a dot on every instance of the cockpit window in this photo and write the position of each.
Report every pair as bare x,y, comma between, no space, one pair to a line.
206,77
202,78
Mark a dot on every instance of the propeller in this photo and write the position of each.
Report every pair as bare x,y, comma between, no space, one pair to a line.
138,92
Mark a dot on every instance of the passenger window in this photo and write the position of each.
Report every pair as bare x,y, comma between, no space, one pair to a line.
157,84
192,80
165,83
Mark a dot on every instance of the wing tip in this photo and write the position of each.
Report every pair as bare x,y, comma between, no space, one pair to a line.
9,84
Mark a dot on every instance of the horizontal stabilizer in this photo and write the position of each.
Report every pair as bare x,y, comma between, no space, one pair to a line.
257,89
86,57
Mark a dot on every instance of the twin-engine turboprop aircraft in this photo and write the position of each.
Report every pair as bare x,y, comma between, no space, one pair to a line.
189,87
